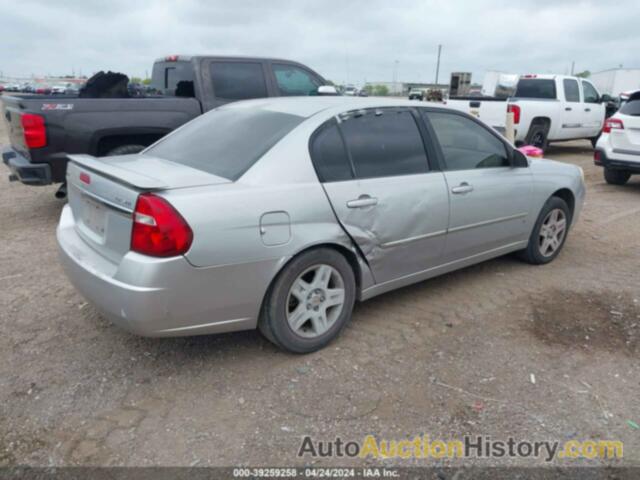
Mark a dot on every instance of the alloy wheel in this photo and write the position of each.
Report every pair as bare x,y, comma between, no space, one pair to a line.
552,232
315,301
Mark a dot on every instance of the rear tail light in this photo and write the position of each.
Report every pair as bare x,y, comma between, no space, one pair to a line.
597,157
612,124
35,133
515,109
158,229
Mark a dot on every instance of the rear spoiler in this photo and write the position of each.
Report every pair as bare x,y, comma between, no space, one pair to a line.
112,170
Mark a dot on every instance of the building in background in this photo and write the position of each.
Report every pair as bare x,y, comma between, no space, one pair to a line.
616,80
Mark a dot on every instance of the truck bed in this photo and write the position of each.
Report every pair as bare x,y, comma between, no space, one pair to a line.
85,125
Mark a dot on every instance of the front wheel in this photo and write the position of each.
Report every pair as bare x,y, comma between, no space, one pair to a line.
549,232
616,177
310,301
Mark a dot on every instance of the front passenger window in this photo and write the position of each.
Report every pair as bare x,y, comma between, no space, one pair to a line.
294,81
465,144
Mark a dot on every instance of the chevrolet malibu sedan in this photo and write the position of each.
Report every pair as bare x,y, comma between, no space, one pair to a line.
281,213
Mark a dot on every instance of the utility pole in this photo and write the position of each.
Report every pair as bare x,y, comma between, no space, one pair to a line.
438,63
395,75
573,66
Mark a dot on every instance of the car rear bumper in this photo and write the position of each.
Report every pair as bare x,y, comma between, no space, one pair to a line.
160,297
619,160
24,171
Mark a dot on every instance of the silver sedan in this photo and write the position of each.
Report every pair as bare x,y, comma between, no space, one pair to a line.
280,213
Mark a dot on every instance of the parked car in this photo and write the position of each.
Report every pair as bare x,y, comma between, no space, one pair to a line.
43,90
546,108
363,93
618,149
43,131
212,230
1,88
27,88
59,89
350,91
416,94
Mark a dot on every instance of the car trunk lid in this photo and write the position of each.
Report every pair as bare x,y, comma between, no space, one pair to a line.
103,193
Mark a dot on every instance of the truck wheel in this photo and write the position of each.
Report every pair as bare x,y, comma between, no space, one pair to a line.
616,177
537,137
125,150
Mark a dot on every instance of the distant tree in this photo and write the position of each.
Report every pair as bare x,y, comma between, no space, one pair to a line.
135,80
146,81
380,90
369,89
329,82
585,74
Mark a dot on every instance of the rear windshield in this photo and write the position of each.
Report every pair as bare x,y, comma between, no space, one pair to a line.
173,79
226,142
631,108
536,88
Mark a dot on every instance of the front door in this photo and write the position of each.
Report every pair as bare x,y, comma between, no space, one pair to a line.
489,199
594,110
382,190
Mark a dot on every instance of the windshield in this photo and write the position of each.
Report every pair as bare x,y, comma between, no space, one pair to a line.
226,142
536,88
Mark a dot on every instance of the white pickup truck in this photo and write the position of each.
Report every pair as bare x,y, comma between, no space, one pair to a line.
546,108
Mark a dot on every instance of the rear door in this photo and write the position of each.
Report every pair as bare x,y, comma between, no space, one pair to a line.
382,190
232,80
489,199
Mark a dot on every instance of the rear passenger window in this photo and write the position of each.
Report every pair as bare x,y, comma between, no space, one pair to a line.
465,144
238,80
329,154
571,90
384,143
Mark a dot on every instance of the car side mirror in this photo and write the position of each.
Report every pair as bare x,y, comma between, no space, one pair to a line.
519,159
604,98
327,90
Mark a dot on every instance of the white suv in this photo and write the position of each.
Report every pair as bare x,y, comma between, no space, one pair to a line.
618,149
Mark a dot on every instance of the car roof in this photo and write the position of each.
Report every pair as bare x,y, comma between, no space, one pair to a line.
309,106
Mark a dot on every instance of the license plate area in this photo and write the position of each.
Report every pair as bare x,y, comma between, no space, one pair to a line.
94,216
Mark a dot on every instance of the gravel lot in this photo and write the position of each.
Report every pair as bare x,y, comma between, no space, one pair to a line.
446,357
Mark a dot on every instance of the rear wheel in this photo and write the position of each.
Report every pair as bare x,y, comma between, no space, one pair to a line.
125,150
549,232
310,301
616,177
537,136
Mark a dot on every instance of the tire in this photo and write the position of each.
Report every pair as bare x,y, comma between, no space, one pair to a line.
616,177
537,136
535,253
282,306
125,150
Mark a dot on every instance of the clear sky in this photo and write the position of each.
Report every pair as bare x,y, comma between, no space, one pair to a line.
346,41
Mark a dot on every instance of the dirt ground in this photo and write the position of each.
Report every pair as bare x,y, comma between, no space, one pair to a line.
451,356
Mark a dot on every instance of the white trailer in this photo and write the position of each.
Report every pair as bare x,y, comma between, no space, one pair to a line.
616,80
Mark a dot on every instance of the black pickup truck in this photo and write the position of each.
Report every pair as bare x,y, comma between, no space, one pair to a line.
43,130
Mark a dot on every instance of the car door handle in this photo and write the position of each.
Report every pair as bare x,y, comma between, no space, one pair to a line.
587,109
568,109
362,201
464,187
